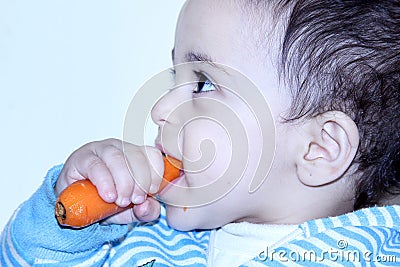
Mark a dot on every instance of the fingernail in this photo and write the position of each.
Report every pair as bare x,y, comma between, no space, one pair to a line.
111,196
124,201
153,189
138,200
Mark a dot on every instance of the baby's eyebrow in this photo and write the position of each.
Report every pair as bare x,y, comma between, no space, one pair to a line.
199,57
193,56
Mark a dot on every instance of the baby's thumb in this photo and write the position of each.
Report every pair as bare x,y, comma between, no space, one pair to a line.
147,211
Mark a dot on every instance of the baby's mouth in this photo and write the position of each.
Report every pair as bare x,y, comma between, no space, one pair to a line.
176,162
173,168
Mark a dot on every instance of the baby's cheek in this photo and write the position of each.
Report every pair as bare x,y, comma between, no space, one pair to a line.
208,154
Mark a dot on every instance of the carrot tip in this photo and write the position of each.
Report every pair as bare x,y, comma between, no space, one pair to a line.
60,211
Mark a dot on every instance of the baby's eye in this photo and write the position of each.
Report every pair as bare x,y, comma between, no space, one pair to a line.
204,85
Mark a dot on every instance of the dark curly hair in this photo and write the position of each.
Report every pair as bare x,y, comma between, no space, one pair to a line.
345,55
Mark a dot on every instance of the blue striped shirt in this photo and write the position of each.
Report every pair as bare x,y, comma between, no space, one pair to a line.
367,237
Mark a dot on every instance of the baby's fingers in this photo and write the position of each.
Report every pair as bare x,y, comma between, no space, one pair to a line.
99,174
138,165
156,169
115,161
148,211
146,167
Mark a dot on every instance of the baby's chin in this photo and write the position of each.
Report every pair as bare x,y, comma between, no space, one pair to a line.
187,219
178,218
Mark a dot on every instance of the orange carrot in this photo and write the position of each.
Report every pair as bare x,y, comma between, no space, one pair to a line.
172,170
80,205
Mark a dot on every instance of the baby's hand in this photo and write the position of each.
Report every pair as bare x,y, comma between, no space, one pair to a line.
104,164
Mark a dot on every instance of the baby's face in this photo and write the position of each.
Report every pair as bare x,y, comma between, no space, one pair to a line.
212,31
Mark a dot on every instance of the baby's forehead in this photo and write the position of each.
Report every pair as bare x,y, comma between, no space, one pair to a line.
224,33
262,24
251,14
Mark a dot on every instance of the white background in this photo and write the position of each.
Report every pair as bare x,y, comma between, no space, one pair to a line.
68,70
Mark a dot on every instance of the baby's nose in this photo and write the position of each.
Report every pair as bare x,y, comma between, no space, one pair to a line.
166,110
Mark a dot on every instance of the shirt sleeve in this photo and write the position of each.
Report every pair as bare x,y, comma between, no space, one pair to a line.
33,236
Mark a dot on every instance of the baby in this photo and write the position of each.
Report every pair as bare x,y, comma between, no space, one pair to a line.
330,72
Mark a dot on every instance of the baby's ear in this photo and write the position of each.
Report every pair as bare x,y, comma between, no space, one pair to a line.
331,145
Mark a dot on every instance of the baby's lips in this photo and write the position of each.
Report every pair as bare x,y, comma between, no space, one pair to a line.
176,162
160,147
